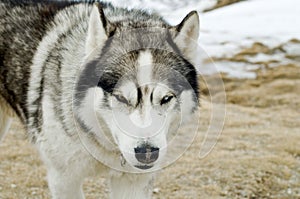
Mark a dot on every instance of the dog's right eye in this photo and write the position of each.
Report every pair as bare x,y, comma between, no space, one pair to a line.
121,99
166,99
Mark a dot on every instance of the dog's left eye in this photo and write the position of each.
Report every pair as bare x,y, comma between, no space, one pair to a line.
166,99
121,99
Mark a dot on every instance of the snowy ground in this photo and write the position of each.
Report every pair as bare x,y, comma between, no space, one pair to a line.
273,23
227,31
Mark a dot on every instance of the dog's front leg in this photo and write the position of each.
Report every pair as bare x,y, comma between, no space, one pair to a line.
130,185
63,185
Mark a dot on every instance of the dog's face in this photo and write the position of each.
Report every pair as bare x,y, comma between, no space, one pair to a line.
144,103
142,115
146,87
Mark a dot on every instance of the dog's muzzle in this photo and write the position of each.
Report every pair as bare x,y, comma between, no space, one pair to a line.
146,155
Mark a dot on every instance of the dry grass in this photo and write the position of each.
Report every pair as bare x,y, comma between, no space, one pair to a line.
222,3
257,155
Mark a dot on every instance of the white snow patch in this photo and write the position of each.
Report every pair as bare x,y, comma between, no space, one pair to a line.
265,20
292,49
232,69
261,57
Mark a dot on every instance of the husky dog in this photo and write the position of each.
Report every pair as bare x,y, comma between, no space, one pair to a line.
99,89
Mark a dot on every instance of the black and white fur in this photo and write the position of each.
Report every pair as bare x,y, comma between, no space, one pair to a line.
72,70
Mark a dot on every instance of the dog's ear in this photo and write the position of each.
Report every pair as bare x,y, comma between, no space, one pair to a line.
99,29
186,36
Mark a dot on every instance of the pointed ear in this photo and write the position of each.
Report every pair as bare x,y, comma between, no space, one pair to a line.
98,29
186,36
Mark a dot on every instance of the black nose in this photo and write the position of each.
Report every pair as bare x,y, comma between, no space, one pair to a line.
146,154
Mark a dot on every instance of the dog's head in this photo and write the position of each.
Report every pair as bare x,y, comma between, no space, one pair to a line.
139,83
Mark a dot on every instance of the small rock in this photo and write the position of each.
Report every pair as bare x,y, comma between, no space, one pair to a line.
244,194
289,191
224,193
156,190
13,186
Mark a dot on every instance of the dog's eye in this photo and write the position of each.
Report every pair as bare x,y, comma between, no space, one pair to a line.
166,99
121,99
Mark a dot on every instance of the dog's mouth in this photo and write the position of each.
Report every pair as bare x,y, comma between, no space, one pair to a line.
144,167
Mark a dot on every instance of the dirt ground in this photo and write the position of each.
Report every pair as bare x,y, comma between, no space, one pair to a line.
257,154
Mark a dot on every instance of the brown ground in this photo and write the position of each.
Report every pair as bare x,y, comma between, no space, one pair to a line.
257,155
222,3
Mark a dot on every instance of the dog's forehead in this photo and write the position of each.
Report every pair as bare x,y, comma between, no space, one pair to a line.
141,38
140,79
144,68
